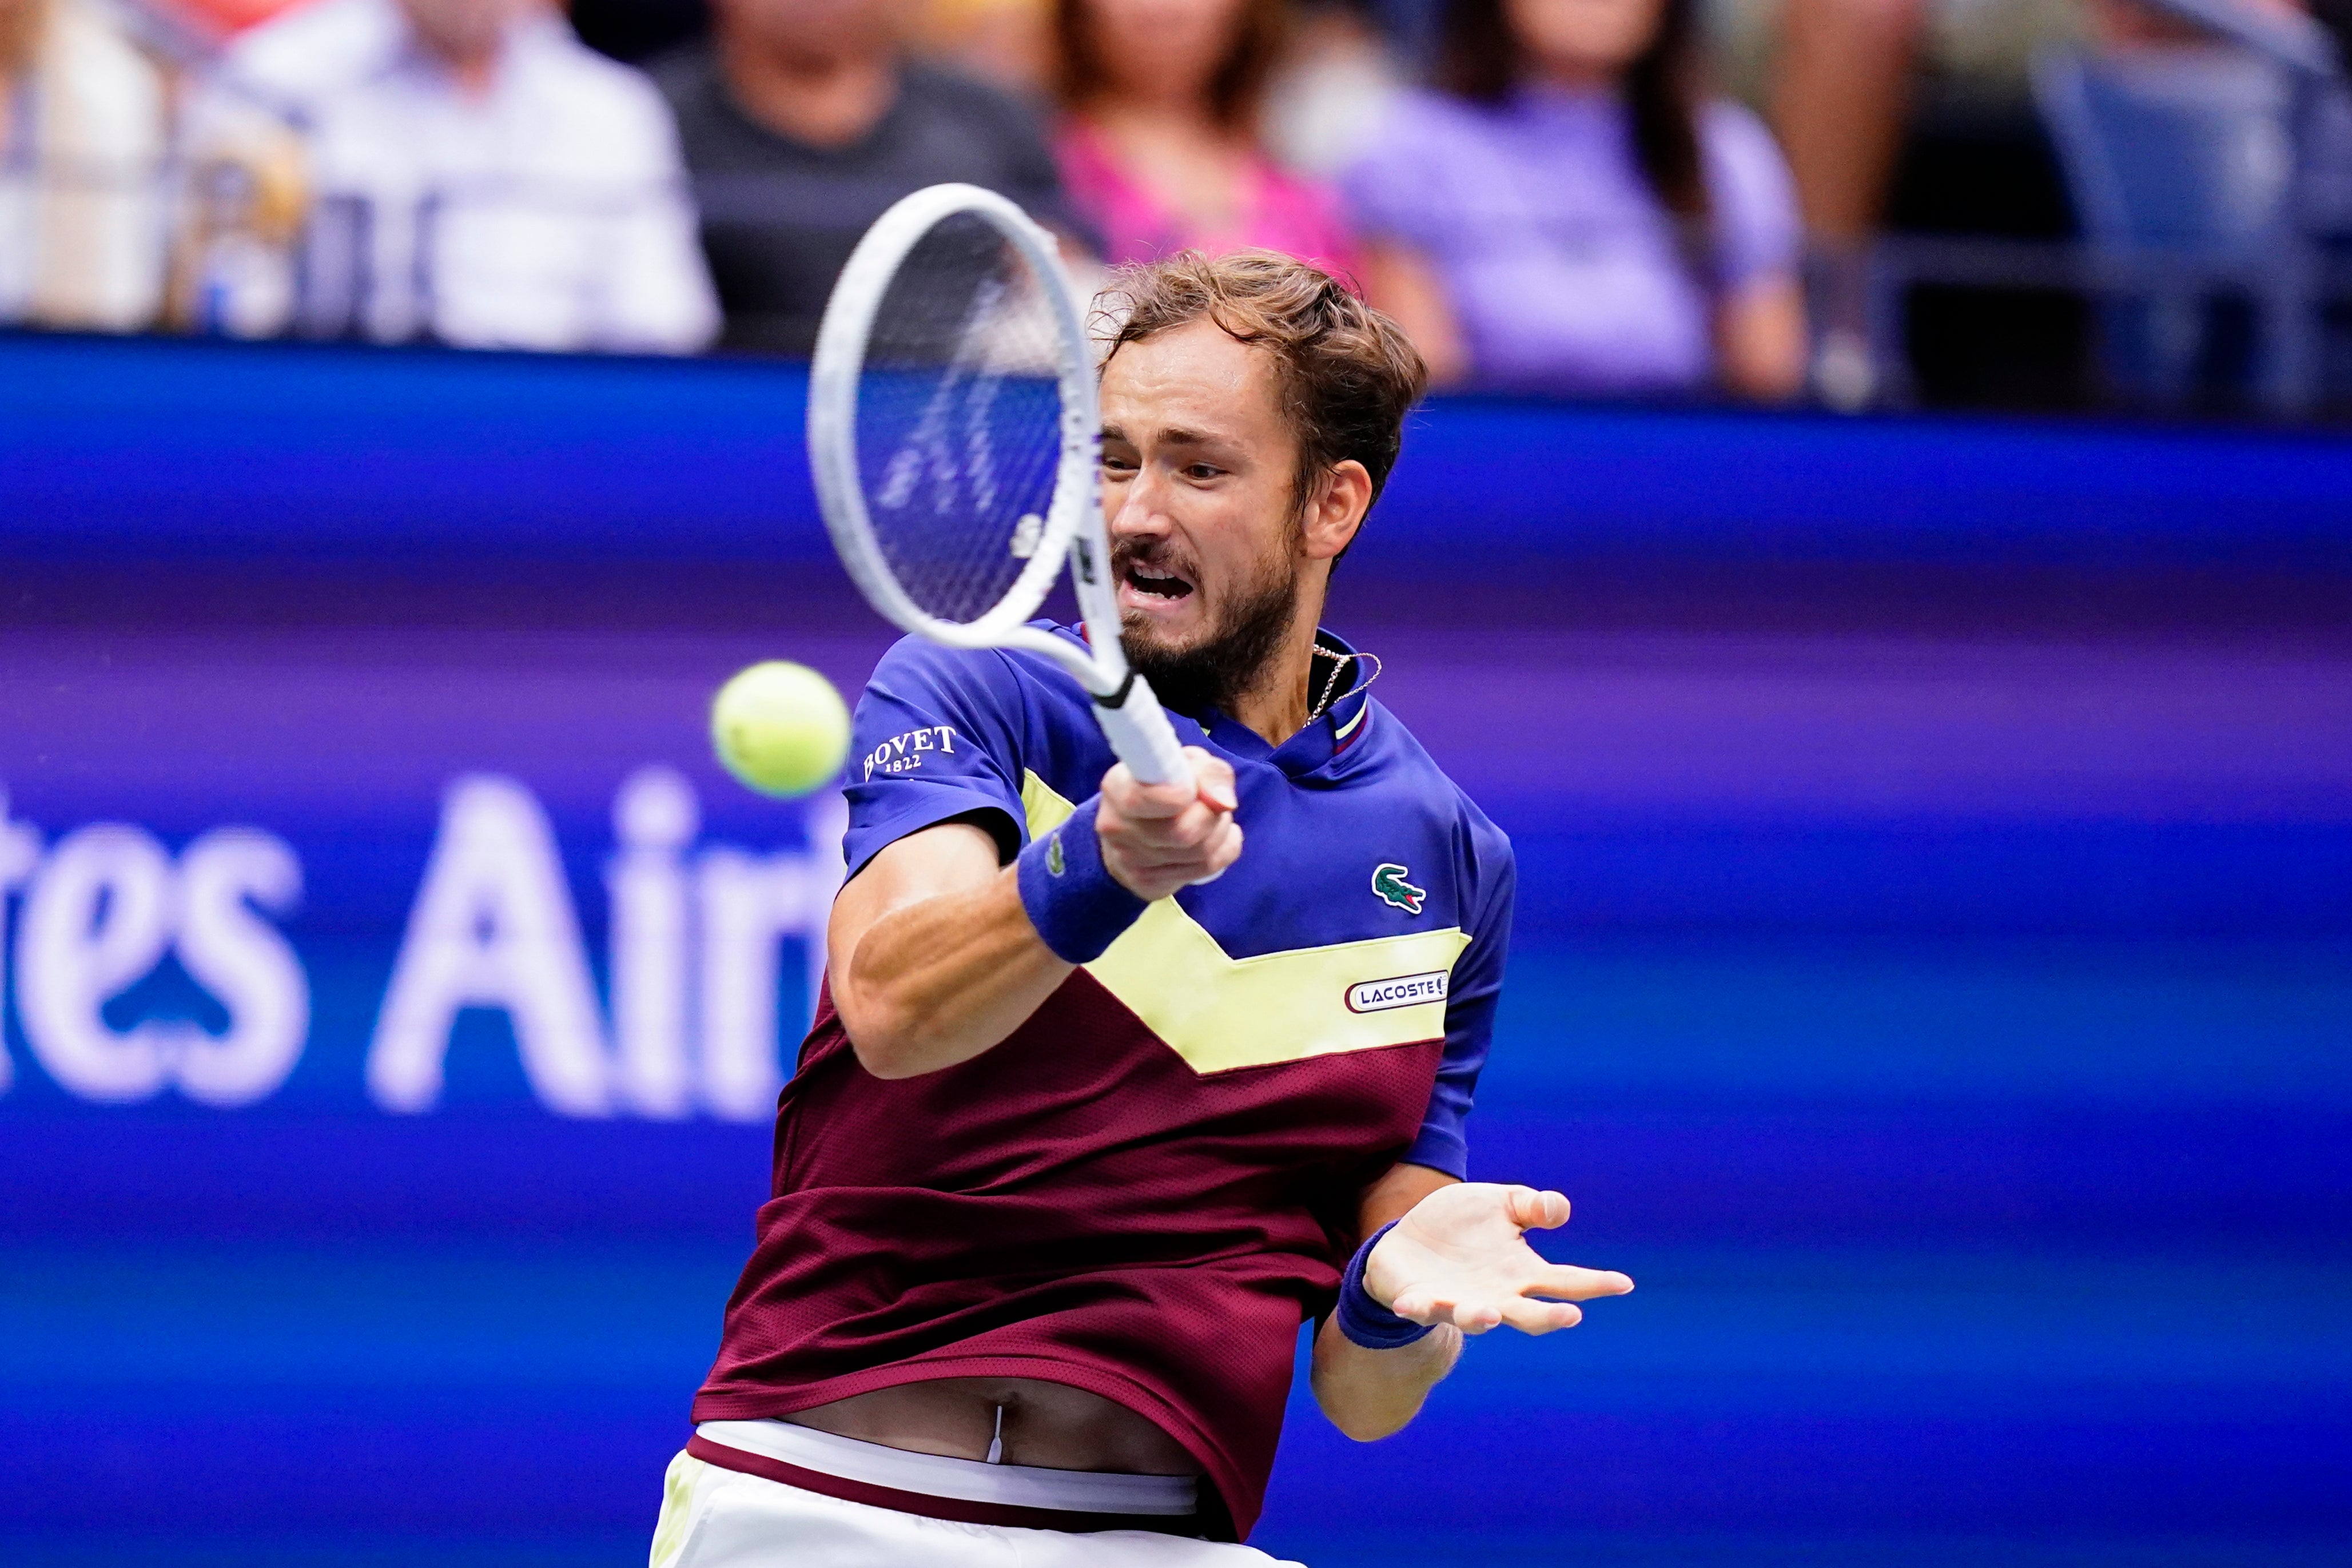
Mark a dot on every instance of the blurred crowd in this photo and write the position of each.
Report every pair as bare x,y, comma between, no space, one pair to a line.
1645,198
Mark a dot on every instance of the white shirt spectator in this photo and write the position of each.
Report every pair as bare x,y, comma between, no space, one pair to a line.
547,209
83,134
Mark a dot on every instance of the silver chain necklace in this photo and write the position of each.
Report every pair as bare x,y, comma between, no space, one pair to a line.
1340,661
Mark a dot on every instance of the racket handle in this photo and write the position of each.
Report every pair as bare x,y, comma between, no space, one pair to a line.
1138,730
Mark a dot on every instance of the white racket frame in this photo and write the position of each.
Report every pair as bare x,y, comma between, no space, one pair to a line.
1130,715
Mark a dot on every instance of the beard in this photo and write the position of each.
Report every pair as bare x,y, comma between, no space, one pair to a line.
1240,642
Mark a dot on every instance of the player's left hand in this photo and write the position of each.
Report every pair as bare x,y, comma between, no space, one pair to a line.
1460,1256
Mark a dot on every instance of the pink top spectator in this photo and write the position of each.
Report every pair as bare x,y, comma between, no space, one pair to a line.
1280,211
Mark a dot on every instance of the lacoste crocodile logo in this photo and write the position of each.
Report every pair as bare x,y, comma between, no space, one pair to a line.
1388,882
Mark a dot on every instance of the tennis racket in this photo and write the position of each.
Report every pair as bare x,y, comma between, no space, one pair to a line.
953,430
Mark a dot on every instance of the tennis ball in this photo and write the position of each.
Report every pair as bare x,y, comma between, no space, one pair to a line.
781,728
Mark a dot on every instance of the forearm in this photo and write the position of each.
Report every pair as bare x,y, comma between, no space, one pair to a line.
937,981
1369,1393
934,954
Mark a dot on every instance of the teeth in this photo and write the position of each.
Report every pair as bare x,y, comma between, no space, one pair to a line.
1159,587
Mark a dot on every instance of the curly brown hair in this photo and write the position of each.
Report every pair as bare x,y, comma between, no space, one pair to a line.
1347,375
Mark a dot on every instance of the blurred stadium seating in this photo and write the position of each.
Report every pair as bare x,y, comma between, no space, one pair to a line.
2007,273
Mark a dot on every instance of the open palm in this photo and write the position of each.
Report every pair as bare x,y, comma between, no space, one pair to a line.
1461,1257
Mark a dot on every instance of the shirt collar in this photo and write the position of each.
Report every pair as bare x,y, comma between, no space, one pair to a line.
1341,726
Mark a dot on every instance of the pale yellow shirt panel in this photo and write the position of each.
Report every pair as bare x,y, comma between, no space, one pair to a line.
1220,1013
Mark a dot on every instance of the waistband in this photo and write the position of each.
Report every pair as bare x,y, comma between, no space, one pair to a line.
937,1486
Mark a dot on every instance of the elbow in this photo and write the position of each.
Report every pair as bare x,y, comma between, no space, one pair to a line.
884,1061
1363,1416
887,1039
898,1037
1365,1427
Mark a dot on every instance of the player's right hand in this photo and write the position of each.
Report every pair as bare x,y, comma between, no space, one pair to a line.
1157,839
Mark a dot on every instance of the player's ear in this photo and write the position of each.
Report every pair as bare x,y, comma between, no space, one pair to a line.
1336,510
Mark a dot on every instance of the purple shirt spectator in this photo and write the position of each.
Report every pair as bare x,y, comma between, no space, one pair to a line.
1563,269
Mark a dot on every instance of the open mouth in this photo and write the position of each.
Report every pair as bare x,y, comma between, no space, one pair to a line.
1159,584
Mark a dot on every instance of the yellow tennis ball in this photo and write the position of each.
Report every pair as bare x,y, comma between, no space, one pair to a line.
781,728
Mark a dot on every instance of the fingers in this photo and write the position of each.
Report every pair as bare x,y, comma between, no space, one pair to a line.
1477,1316
1524,1313
1157,839
1186,838
1201,863
1212,780
1430,1307
1137,803
1168,816
1187,829
1142,804
1541,1316
1566,1282
1224,850
1531,1210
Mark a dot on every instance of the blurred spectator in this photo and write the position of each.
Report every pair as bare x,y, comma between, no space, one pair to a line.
1840,97
219,18
802,120
1572,213
1159,145
1327,103
83,127
1842,85
462,170
2180,144
1008,43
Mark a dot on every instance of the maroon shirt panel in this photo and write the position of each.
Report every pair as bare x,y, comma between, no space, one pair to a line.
1077,1204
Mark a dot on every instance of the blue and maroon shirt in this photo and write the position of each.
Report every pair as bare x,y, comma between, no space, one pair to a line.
1147,1187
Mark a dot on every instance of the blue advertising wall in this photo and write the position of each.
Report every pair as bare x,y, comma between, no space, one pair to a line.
1933,976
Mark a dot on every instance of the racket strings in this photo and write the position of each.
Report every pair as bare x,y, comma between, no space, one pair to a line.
959,419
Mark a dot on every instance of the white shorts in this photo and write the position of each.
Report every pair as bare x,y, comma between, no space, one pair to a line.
714,1518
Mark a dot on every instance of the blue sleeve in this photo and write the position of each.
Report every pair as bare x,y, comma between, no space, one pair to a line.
938,734
1470,997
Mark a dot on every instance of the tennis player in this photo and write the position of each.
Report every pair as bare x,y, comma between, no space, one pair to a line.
1104,1099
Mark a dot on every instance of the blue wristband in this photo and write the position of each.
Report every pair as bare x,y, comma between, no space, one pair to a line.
1365,1320
1075,902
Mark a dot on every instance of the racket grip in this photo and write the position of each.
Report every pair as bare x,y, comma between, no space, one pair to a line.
1138,730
